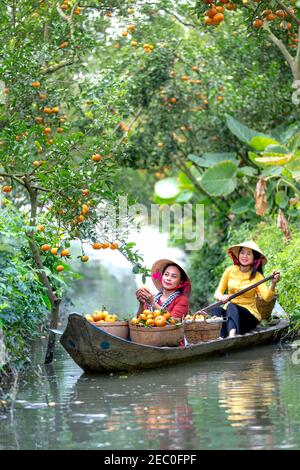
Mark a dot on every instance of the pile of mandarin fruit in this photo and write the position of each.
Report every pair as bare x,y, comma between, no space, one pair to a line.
158,318
101,316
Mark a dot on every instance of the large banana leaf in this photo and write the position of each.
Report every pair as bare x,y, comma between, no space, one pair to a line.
220,179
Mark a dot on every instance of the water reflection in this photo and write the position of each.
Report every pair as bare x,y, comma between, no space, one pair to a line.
247,400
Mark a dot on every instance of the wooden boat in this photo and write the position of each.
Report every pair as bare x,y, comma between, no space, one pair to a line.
96,350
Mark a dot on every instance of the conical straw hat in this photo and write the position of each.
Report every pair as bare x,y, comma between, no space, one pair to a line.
234,250
157,270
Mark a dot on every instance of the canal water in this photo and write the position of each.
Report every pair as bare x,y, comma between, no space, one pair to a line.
244,400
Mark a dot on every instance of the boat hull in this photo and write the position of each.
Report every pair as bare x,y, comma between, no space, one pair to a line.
96,350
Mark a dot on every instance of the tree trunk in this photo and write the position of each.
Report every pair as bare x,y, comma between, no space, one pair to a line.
51,337
54,300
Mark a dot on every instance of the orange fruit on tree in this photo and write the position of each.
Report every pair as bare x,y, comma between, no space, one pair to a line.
84,258
46,247
6,189
105,245
218,18
55,110
63,45
114,246
97,246
257,23
134,43
59,268
212,12
60,130
160,320
65,252
85,192
35,84
54,251
47,130
41,228
230,6
96,157
84,209
124,34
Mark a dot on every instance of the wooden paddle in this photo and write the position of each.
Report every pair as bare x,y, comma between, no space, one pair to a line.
233,296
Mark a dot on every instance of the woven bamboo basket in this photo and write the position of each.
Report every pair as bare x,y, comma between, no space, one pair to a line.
169,335
265,308
201,331
118,328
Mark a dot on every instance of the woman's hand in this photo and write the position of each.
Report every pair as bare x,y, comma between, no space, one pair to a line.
276,277
144,295
224,299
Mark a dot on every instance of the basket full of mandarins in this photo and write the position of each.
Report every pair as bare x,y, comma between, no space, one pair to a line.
201,328
109,323
156,328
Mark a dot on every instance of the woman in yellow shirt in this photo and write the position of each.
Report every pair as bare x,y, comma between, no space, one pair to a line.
241,313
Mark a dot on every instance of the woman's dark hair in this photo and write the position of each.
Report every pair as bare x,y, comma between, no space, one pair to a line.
256,267
183,276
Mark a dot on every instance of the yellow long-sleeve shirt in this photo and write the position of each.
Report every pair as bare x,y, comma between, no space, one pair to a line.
234,280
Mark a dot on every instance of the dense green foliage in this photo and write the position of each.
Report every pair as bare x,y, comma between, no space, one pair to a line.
22,296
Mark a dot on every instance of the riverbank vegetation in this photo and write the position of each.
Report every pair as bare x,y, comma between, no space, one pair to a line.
148,101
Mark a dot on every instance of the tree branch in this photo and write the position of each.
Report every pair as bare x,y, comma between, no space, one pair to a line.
288,10
47,70
282,48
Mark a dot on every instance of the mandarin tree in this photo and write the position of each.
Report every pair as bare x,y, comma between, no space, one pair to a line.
49,137
272,20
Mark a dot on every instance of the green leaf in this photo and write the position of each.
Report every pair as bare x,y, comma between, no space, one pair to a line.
274,159
242,132
283,133
261,142
185,182
184,196
281,199
167,188
46,301
130,245
136,268
220,179
159,200
242,205
277,149
211,159
272,171
247,171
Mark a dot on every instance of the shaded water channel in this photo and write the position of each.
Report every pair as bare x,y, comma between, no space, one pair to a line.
245,400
